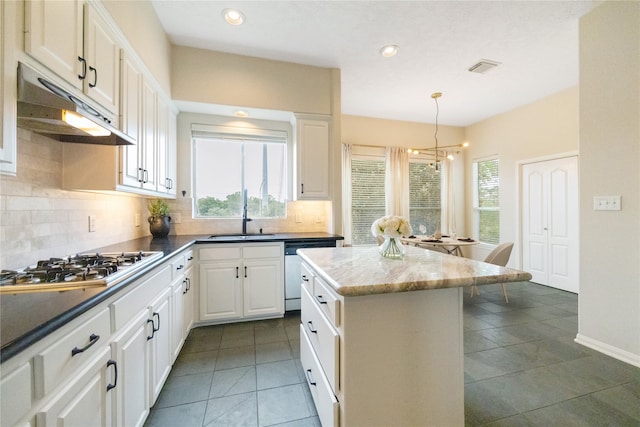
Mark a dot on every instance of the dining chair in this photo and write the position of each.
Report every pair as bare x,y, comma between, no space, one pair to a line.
499,256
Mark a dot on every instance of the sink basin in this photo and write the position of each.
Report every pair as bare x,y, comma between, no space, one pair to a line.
248,236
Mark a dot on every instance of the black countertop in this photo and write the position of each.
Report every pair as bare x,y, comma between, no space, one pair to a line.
26,318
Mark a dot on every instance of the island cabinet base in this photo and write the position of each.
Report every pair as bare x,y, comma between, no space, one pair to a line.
401,359
391,359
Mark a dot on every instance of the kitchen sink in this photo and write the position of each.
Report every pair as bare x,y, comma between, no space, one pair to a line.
240,236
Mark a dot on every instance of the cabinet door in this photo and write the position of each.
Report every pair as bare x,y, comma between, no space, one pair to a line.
148,137
263,287
131,352
102,51
313,159
189,302
8,144
130,122
160,343
220,290
178,296
162,138
85,401
54,36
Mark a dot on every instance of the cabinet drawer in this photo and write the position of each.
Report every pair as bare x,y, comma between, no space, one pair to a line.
15,395
188,259
126,307
270,251
307,278
323,338
327,405
327,301
177,266
74,348
219,252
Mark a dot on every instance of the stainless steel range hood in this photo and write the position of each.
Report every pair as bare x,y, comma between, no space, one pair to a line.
46,108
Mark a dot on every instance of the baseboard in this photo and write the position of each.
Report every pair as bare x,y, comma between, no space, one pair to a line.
609,350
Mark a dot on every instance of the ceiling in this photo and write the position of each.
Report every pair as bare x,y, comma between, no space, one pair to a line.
535,42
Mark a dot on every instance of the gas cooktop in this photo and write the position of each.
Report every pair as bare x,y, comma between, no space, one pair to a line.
76,271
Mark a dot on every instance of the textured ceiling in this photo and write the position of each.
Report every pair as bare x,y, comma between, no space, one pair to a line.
535,42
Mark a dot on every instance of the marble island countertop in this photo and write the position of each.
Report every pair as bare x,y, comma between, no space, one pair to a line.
357,271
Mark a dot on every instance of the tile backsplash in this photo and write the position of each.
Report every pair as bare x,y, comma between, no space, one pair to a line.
38,219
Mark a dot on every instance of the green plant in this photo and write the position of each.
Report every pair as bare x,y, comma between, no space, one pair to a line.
158,207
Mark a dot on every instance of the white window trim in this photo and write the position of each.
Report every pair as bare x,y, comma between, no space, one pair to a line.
476,208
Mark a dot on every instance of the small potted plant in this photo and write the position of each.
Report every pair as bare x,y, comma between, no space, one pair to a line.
159,221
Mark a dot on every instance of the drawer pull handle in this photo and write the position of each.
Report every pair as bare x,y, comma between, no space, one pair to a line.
153,329
115,374
320,299
188,284
245,271
310,327
180,267
190,258
309,379
93,338
237,269
305,278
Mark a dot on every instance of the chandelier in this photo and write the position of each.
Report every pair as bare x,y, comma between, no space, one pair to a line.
438,150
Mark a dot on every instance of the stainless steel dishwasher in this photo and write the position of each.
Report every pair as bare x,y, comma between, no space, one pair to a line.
292,280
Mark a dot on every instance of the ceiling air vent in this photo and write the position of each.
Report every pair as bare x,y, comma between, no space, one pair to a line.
483,66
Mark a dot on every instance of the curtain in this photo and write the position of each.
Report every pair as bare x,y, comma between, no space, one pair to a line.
346,194
448,213
396,184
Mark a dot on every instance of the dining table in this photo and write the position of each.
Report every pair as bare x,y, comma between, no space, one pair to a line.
449,244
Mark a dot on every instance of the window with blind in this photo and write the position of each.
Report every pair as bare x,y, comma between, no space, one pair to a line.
367,197
487,201
227,163
424,197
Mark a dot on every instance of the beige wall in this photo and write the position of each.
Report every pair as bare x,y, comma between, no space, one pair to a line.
39,220
609,301
222,78
357,130
151,44
543,129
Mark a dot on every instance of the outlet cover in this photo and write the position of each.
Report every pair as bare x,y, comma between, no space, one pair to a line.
137,218
92,223
298,217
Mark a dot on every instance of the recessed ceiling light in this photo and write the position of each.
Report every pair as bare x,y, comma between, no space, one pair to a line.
241,113
233,16
389,50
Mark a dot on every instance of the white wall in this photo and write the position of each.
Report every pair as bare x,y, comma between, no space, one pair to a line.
609,301
538,130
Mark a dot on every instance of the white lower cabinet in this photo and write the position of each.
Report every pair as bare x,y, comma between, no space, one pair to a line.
131,351
241,281
16,393
160,342
87,399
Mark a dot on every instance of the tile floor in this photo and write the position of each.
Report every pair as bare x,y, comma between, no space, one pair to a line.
522,368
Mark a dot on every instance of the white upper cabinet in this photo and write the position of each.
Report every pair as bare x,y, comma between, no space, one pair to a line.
312,167
130,111
72,40
8,147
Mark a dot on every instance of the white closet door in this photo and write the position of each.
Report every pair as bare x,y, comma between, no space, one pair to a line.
550,222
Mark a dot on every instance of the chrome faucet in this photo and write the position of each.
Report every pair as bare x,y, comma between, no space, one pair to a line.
244,212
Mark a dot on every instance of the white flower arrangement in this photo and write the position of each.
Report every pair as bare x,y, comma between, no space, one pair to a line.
391,226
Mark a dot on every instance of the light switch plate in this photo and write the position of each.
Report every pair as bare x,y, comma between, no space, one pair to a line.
606,203
298,217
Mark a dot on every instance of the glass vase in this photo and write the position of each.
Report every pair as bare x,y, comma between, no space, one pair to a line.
392,247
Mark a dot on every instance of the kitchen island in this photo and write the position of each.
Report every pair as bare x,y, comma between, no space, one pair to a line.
382,339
